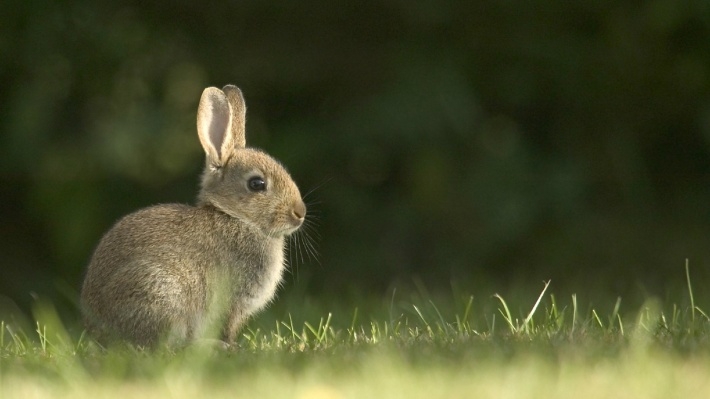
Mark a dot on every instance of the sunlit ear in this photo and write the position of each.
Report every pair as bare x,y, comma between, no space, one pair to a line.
213,125
239,110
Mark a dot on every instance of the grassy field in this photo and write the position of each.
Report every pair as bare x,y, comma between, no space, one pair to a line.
547,348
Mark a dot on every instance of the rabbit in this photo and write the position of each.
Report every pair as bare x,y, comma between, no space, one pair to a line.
176,273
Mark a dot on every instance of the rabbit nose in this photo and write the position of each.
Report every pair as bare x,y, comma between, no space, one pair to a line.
299,210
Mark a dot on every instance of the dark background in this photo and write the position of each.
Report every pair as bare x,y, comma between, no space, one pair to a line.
486,143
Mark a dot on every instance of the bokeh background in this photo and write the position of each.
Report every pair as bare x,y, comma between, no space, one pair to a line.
494,143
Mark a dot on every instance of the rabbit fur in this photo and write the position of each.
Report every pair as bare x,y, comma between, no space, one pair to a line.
176,273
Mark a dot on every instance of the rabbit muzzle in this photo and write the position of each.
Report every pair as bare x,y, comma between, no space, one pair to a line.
297,216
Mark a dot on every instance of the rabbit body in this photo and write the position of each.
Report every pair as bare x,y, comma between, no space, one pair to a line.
177,272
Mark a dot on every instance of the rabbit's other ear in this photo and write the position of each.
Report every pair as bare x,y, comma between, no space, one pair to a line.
213,126
239,111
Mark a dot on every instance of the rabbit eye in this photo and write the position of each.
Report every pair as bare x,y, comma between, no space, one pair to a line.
256,184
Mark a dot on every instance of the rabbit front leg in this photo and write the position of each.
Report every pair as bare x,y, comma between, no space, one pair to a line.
235,321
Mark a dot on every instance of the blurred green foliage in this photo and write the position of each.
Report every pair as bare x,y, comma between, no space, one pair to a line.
489,142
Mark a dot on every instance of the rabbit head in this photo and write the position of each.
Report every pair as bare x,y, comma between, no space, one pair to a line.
242,182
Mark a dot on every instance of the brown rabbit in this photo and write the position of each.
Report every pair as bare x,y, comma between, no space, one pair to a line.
177,272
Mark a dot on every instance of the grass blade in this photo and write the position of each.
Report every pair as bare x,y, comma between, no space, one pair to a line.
507,316
528,319
690,292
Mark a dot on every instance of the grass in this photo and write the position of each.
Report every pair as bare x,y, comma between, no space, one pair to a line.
420,349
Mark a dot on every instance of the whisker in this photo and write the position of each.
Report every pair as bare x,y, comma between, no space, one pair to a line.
289,265
309,246
317,187
314,214
299,251
311,229
295,265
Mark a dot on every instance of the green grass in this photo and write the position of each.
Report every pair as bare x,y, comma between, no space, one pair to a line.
546,348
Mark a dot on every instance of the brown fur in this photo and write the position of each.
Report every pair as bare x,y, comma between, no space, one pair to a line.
177,272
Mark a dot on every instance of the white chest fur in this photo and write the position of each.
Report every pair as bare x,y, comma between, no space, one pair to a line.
270,280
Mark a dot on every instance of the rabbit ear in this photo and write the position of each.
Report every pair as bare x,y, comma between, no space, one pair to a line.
213,125
239,110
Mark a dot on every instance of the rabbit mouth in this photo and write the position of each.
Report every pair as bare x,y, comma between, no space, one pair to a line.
287,231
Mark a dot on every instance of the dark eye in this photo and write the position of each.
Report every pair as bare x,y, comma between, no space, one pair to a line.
256,184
